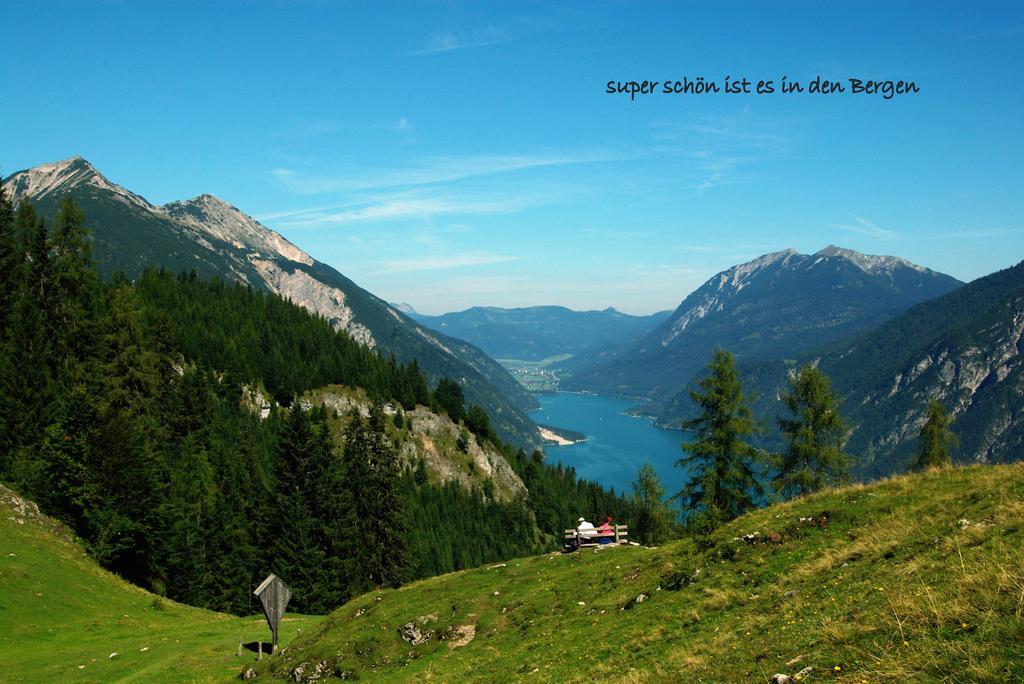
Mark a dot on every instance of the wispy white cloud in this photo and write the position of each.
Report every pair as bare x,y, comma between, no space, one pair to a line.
448,41
403,125
439,169
862,226
399,206
444,261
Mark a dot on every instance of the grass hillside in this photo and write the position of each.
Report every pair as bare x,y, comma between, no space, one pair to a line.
62,616
915,578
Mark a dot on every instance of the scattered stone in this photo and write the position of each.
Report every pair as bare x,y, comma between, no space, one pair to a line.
794,661
143,649
751,538
361,612
247,674
499,565
459,636
779,678
803,673
963,524
112,655
81,667
411,633
792,592
497,593
424,619
640,598
581,603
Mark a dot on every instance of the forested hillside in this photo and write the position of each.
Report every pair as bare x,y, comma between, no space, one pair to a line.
127,413
128,234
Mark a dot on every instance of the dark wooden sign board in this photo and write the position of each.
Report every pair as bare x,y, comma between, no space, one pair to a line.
274,595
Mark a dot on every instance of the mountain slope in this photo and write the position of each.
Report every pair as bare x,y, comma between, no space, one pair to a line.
963,349
915,578
216,239
62,616
539,332
774,306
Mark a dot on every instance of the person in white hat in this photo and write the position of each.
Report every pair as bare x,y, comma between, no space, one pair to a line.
585,529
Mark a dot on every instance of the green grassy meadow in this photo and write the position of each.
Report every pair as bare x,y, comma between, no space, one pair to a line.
917,578
62,616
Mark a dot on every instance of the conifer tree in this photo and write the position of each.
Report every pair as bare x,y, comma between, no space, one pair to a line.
10,258
652,518
373,471
296,555
815,436
935,439
723,482
449,397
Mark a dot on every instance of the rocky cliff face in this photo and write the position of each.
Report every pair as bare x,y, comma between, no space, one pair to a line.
433,439
963,349
975,371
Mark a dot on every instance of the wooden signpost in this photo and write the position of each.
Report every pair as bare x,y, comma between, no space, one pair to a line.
273,595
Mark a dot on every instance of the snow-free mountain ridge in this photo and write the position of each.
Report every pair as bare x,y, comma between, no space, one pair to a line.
774,306
215,239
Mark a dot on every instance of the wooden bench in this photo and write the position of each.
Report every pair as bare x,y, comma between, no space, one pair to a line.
619,534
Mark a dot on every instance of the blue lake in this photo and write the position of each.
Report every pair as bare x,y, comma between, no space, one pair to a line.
617,444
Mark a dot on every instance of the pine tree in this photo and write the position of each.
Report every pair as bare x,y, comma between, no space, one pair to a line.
10,258
652,519
295,554
815,436
934,439
449,397
74,284
724,483
379,511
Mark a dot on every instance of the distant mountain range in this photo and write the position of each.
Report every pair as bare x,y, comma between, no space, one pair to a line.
213,238
539,332
774,307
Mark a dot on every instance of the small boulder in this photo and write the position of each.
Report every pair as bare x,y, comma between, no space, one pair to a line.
779,678
247,674
411,633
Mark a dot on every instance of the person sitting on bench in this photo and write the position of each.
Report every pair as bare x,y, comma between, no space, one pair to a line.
585,531
606,533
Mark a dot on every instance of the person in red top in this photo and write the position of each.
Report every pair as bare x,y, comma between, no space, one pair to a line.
606,533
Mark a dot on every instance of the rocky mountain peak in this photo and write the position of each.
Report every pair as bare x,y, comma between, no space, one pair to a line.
869,263
213,216
58,178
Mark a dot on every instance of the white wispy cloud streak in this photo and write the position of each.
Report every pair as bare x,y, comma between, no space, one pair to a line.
862,226
449,41
397,207
440,169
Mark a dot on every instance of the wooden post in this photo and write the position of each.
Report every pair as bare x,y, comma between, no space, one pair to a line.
616,534
239,651
273,647
260,647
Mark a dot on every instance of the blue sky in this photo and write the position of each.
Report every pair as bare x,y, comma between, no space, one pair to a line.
450,154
